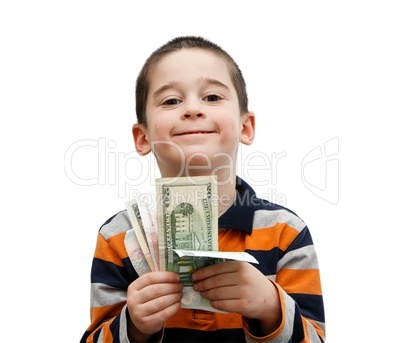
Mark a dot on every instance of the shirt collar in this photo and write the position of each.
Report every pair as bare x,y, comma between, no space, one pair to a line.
241,214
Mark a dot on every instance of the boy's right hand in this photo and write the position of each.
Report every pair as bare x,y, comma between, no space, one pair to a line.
152,299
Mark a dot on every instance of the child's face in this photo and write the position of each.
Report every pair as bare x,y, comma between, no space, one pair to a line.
193,117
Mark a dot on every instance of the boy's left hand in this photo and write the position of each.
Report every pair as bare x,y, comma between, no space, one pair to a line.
236,286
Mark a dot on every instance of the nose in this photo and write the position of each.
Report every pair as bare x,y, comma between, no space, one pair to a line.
193,110
191,115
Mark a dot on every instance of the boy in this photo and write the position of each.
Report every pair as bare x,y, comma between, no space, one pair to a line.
192,112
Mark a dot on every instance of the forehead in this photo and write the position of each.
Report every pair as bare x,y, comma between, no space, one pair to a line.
190,63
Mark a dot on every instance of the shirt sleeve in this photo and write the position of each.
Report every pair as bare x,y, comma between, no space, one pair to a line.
299,287
109,282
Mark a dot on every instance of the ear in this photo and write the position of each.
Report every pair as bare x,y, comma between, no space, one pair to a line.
247,128
141,141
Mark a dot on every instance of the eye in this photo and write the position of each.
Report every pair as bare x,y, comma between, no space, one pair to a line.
171,102
212,97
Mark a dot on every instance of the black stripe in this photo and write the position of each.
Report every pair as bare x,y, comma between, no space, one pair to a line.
115,328
191,335
85,336
268,260
312,306
109,274
303,239
298,332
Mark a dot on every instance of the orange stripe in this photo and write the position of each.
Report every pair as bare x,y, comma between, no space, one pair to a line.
117,243
101,313
278,331
280,235
104,251
204,320
107,334
317,328
319,331
231,240
306,281
305,329
90,339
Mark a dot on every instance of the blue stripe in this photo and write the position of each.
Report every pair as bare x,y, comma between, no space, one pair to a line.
97,334
268,260
115,328
131,273
109,274
192,335
312,306
298,332
85,336
303,239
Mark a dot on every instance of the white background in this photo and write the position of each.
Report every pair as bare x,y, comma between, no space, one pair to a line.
316,72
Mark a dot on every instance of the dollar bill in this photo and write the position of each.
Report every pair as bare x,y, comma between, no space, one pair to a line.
188,220
186,215
138,227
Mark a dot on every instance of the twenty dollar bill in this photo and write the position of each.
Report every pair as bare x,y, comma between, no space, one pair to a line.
187,216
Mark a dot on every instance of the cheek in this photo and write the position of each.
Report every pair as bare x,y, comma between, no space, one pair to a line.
158,129
231,124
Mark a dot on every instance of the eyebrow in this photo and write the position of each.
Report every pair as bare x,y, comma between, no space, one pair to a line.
173,84
166,86
215,82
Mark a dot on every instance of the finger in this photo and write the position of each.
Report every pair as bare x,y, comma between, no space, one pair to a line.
216,281
215,269
154,278
151,323
223,293
141,306
230,305
159,304
158,290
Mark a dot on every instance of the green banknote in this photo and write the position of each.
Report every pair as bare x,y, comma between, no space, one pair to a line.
187,216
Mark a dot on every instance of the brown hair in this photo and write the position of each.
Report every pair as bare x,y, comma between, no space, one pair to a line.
186,42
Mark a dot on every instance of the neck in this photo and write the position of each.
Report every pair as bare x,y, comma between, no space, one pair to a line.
226,180
227,196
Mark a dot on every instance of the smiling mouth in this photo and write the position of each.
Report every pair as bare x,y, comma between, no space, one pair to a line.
194,133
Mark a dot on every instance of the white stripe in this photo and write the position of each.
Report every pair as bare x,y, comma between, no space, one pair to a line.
123,338
104,295
302,258
265,218
287,331
118,224
321,325
271,277
312,333
100,337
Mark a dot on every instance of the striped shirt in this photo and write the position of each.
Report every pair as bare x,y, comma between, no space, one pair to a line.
274,235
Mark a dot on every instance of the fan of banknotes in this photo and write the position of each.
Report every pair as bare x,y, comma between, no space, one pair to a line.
179,234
